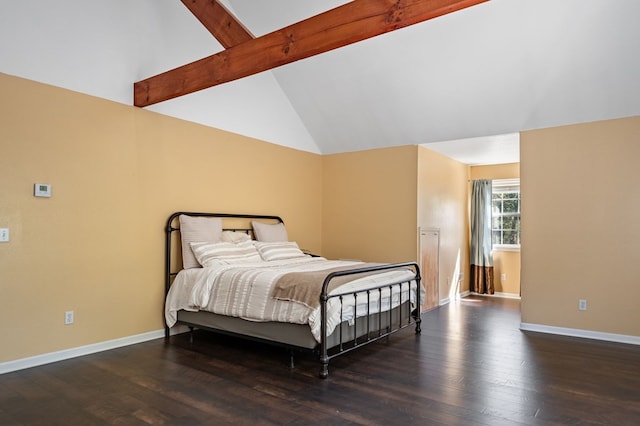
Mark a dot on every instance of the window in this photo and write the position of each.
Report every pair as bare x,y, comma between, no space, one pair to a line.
505,213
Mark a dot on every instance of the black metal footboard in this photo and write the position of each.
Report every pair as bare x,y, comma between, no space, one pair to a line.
379,321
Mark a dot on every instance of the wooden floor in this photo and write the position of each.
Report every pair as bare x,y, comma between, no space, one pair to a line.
471,365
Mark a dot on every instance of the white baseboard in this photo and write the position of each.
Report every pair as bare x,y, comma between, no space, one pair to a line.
34,361
458,296
586,334
498,294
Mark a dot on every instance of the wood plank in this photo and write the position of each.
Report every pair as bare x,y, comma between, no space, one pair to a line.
344,25
219,21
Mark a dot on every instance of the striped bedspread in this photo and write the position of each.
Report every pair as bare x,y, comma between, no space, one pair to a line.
246,291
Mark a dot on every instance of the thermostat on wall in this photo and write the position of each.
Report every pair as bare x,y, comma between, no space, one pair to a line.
42,190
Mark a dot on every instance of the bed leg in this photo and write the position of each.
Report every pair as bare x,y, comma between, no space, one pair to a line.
418,319
292,363
324,368
190,335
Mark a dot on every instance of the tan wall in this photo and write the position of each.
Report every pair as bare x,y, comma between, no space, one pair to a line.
369,205
117,172
384,195
496,171
506,272
581,227
504,262
443,203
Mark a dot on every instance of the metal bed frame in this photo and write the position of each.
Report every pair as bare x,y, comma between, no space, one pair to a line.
345,338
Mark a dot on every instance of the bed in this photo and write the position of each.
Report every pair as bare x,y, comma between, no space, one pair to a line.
239,274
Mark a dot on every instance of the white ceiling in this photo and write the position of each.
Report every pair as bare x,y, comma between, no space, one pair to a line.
483,150
497,68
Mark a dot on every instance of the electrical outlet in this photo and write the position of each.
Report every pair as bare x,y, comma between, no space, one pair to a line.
582,304
4,235
68,317
503,277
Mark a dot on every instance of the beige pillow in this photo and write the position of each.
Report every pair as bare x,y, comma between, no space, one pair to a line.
279,250
197,229
234,236
269,233
209,254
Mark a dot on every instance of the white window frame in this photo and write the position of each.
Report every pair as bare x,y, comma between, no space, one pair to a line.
506,185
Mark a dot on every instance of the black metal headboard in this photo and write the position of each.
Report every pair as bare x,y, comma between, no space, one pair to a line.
173,226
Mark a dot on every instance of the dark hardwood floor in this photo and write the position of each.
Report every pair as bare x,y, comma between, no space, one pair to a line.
471,365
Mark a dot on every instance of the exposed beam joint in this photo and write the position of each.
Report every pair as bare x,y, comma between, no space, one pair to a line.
219,21
352,22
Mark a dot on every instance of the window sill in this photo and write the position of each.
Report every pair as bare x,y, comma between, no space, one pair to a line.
506,248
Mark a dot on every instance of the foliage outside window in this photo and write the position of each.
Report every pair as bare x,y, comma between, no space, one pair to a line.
505,213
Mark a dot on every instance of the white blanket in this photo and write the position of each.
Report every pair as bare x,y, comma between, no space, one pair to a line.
244,291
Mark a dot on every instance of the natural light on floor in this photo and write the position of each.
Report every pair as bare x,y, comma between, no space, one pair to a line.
454,285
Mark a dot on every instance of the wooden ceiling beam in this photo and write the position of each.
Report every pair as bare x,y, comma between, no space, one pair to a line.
219,21
354,21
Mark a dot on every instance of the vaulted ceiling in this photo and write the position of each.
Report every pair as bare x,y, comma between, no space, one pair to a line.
459,80
246,55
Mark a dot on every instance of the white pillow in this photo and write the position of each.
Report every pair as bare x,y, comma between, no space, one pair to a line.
209,254
197,228
234,236
269,233
279,250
